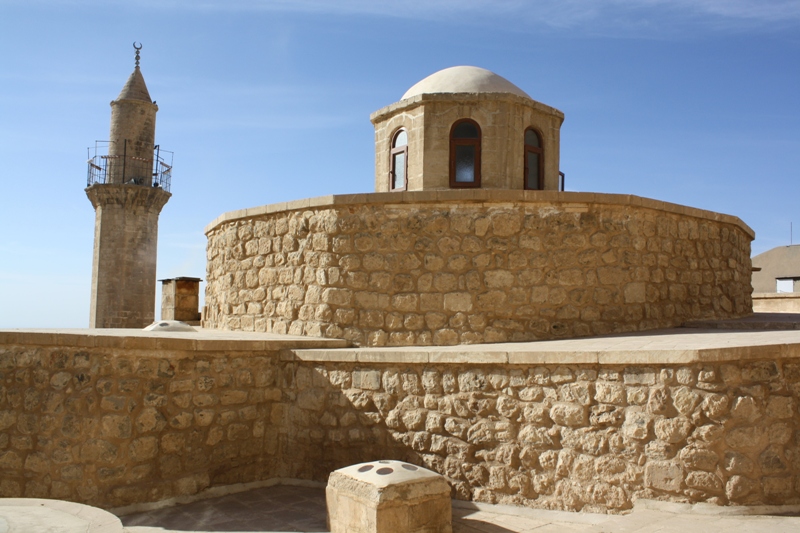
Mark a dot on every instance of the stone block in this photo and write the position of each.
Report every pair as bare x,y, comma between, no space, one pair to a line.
663,475
387,497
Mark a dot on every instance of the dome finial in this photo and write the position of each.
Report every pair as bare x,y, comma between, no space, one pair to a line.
137,48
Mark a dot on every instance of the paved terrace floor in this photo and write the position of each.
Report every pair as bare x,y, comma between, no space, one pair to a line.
298,508
282,508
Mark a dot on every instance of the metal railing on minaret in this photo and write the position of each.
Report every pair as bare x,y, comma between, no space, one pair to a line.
129,170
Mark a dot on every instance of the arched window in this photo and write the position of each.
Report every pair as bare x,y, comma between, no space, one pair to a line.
398,165
534,162
465,154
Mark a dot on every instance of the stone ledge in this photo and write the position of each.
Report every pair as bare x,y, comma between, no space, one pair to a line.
776,295
131,339
569,200
664,348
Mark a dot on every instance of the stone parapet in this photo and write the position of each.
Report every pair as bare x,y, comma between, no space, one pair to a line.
98,421
463,267
115,417
776,302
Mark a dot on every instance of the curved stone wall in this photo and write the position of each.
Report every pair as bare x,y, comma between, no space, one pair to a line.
462,267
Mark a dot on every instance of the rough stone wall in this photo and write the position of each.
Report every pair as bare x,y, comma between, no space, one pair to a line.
111,427
572,437
442,273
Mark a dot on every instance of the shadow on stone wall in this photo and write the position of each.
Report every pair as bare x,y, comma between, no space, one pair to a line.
113,427
570,437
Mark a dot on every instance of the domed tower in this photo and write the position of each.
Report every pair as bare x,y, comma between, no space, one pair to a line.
128,187
466,127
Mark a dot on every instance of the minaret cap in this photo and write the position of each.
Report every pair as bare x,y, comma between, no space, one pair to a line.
135,88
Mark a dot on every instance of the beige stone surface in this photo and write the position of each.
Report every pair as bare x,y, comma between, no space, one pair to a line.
386,496
764,302
114,419
33,515
468,267
503,119
127,207
300,510
124,259
132,134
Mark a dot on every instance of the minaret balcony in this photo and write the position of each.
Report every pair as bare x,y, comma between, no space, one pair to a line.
123,169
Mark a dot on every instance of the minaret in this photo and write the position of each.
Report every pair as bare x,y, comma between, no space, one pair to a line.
128,187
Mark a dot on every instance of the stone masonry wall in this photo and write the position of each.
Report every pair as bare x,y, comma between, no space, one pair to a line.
463,267
571,437
111,426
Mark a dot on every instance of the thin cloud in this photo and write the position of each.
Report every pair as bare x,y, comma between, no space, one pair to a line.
763,11
554,13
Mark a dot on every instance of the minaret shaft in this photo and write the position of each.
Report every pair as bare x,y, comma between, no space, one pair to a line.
125,251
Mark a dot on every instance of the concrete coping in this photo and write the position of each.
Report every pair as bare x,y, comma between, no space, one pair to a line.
39,515
202,340
679,346
570,201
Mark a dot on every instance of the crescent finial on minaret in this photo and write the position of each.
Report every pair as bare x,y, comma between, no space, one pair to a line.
137,48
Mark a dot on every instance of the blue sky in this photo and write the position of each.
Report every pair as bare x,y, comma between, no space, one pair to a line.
690,101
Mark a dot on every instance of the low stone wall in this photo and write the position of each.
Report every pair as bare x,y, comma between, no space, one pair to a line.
110,420
465,267
548,432
772,302
121,421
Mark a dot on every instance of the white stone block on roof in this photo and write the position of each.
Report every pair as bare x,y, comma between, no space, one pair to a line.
387,497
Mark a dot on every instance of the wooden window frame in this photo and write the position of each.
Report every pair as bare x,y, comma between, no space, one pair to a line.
537,150
465,142
393,151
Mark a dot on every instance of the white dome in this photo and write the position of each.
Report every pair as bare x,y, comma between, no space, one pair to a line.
464,80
